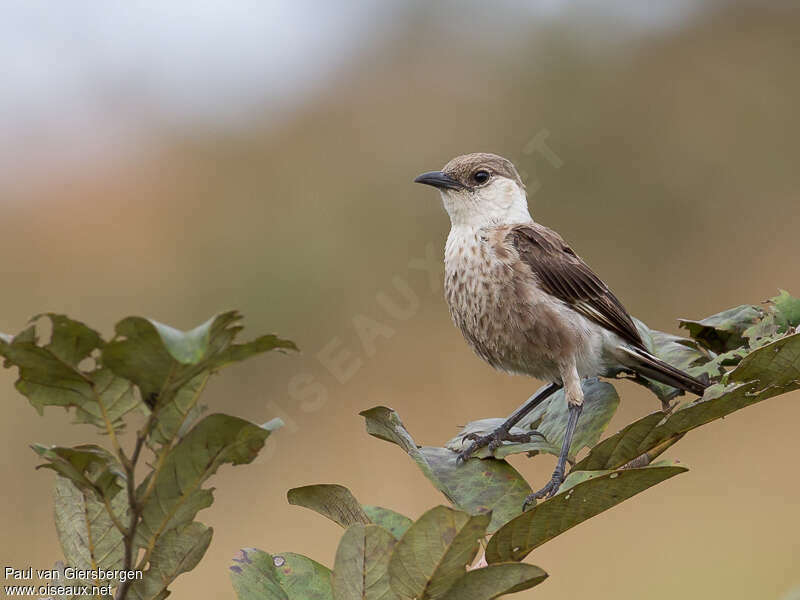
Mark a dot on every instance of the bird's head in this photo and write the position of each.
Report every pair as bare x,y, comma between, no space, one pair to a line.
480,189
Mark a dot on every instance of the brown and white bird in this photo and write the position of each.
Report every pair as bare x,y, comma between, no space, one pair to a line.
527,303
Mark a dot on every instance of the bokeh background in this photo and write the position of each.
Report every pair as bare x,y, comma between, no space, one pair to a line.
175,159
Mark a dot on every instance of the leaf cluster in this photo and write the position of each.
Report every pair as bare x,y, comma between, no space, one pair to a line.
750,353
106,517
385,555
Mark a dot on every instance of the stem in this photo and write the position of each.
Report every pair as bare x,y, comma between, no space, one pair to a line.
129,534
136,505
645,459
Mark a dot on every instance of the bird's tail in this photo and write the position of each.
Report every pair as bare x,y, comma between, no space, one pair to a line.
646,364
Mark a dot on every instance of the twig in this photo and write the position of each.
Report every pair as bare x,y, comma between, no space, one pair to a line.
135,507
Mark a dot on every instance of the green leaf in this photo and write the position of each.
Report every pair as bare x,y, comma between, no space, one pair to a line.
775,365
174,494
495,580
782,316
391,521
49,375
362,559
768,371
434,552
190,347
90,467
303,578
254,576
787,308
385,424
677,351
550,419
622,447
477,486
257,575
714,368
71,341
177,416
330,500
160,360
88,536
723,331
176,552
239,352
594,493
762,331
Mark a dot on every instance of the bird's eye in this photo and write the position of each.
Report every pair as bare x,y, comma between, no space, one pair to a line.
480,176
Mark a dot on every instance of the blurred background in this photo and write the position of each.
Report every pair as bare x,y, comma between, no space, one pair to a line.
176,159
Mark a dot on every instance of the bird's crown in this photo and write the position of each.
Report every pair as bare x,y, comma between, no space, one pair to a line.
472,170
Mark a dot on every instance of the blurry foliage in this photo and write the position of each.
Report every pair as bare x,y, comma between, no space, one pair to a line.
107,518
473,550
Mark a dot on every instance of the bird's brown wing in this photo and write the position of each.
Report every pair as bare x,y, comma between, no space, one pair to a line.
564,275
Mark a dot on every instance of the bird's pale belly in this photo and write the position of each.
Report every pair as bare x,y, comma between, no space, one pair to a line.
515,328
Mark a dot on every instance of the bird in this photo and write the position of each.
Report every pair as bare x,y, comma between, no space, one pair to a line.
528,304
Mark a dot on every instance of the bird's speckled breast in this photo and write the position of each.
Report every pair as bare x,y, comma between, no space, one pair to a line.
496,303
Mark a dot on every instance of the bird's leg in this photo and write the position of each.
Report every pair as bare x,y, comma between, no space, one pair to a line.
574,394
555,482
502,433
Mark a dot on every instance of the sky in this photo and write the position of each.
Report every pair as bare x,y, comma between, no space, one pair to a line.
96,75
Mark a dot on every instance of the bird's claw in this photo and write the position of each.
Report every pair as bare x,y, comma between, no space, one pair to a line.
548,491
493,441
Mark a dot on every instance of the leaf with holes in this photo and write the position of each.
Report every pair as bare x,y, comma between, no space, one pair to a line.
723,331
51,374
787,308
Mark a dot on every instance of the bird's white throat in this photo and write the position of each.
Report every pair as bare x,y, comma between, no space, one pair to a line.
500,202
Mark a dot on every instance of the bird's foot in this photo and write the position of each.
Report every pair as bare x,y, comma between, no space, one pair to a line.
547,491
493,441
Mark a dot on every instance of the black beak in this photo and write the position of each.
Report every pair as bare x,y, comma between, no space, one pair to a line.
439,180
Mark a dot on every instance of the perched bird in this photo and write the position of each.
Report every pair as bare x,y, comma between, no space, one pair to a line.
527,303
